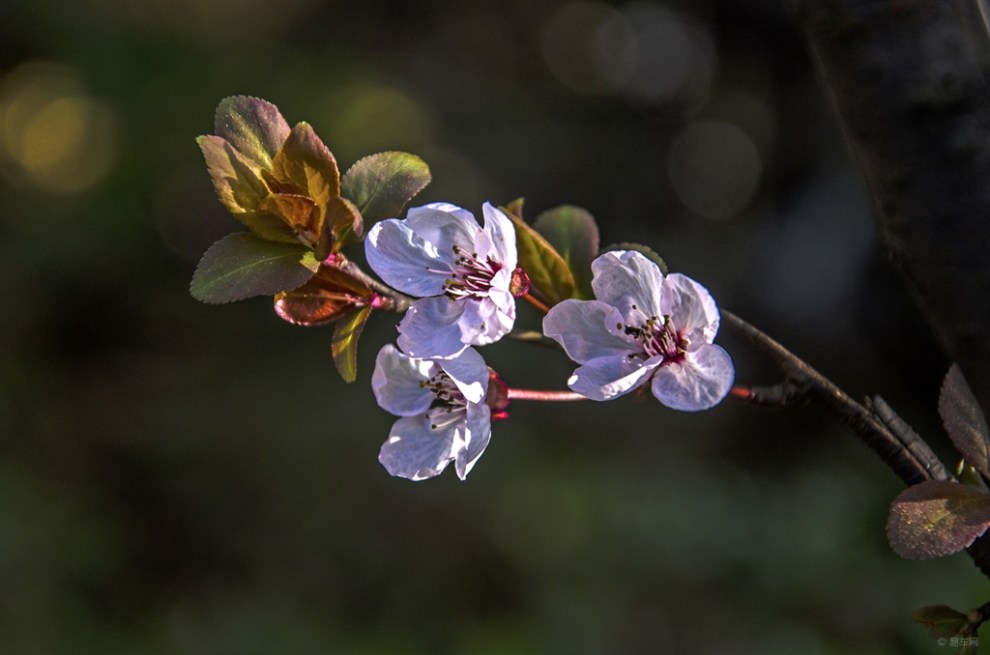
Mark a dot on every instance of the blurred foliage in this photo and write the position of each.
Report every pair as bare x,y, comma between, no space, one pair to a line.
177,477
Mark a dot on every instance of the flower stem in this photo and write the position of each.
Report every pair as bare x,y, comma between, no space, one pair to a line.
535,303
545,396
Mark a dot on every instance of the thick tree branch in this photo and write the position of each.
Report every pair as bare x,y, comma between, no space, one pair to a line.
910,80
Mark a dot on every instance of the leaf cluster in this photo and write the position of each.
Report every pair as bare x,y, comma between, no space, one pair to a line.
284,186
937,518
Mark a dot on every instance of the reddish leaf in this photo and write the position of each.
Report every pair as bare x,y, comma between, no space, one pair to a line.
305,161
934,518
964,420
330,294
343,223
298,212
242,190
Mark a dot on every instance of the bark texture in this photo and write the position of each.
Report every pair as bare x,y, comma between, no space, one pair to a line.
910,81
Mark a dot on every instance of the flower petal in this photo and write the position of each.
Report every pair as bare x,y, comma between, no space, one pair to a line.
586,330
626,279
700,381
609,377
404,260
479,433
396,382
416,452
430,329
502,235
469,373
444,226
483,322
691,308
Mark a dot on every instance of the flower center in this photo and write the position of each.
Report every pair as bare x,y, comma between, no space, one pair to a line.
658,337
470,277
449,405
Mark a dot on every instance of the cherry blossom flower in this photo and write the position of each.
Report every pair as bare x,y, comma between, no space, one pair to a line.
444,417
460,272
643,328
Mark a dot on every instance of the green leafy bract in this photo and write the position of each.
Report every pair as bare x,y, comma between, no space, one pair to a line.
242,265
380,185
941,620
937,518
574,235
345,341
548,272
964,420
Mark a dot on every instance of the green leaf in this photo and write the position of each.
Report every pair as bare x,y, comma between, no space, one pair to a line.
345,341
936,518
253,126
380,185
242,265
646,251
329,295
964,420
941,620
573,233
548,273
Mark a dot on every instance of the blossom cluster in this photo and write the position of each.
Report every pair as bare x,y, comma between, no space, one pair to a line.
460,274
643,328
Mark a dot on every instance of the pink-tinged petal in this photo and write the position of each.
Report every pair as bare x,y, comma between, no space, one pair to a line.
253,126
587,330
396,382
444,226
605,378
502,236
479,433
416,451
700,381
629,282
691,308
430,329
404,261
469,373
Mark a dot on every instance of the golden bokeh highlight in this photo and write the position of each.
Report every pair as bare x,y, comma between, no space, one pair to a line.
53,135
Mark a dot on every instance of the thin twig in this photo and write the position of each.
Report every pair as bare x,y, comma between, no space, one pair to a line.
902,460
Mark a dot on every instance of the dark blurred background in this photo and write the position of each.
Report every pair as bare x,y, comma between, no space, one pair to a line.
184,478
